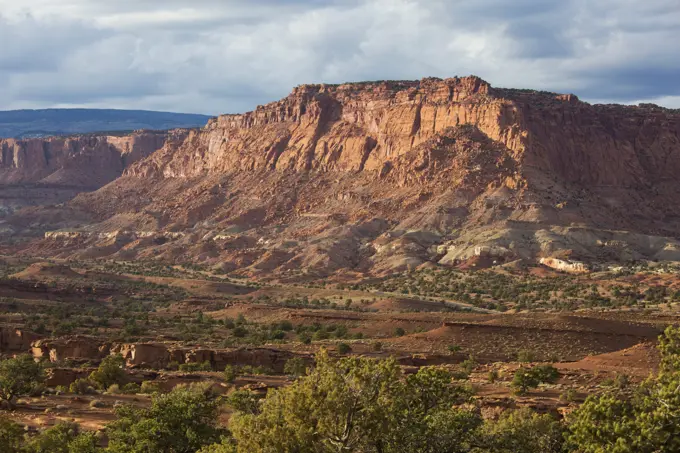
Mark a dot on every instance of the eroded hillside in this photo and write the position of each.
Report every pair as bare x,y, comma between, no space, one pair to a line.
388,176
52,170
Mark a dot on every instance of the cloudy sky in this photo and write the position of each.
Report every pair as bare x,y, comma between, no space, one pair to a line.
219,56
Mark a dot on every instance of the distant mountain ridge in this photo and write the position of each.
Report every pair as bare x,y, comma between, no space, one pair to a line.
47,122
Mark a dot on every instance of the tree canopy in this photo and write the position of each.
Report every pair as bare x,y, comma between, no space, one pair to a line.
19,376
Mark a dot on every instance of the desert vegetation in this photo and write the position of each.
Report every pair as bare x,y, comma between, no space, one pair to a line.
140,357
504,291
358,404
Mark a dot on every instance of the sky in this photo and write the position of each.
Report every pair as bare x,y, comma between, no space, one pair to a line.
228,56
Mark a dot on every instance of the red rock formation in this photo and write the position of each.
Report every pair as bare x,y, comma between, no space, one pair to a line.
13,340
357,127
349,127
56,350
144,354
85,161
65,376
43,171
386,176
158,355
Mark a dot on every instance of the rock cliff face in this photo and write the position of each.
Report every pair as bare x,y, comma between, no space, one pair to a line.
13,340
350,127
86,161
39,171
387,176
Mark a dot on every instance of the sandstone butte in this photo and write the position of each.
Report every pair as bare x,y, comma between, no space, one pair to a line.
383,177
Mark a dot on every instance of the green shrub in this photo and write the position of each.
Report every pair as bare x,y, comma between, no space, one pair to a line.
523,431
193,367
149,388
529,378
82,387
131,388
96,404
469,364
493,376
304,338
546,374
110,372
344,348
230,373
321,335
385,409
568,396
524,380
62,438
244,401
262,370
526,356
11,435
184,420
19,376
295,367
240,331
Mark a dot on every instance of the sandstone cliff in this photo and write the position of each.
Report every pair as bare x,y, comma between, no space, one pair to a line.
391,175
85,161
43,171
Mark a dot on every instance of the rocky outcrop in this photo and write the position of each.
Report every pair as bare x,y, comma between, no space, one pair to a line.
269,358
13,340
388,176
75,348
65,376
357,127
564,266
146,355
158,355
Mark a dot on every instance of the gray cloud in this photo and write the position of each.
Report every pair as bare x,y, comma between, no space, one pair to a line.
214,56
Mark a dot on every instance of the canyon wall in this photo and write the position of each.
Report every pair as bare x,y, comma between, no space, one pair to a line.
387,176
356,127
87,161
52,170
350,127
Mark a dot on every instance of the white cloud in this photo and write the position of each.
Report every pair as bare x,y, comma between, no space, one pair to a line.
213,56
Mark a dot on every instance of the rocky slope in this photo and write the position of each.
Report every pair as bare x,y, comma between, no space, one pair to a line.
386,176
52,170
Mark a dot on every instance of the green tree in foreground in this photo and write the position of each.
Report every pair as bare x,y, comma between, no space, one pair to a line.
19,376
523,431
648,421
360,405
11,435
182,421
62,438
